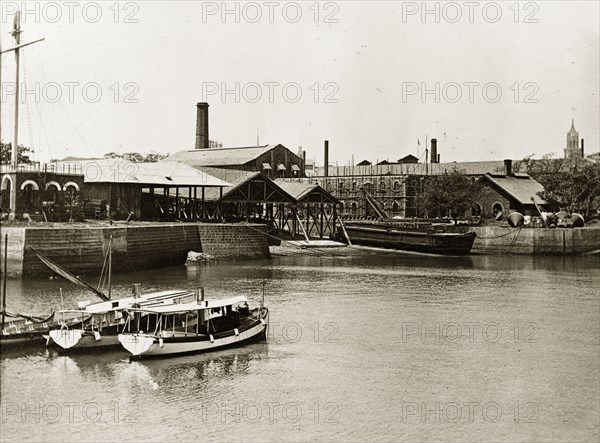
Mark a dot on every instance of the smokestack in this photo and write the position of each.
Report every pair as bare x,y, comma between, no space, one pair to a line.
434,154
304,162
326,158
582,151
508,167
202,126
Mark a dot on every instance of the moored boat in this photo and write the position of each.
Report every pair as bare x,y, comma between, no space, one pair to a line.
102,322
220,323
425,238
19,329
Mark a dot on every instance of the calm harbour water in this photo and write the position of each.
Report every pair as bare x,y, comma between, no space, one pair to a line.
366,348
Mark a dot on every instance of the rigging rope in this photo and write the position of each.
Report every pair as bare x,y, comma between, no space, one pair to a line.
514,240
497,236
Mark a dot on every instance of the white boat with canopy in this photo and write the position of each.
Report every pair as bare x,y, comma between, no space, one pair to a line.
102,322
220,323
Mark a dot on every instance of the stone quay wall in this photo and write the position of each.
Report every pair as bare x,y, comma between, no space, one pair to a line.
536,241
81,248
230,242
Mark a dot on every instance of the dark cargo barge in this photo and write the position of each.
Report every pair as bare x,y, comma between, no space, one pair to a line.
423,238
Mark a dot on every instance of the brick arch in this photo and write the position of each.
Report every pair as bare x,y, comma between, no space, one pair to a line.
68,184
497,205
5,180
53,183
30,182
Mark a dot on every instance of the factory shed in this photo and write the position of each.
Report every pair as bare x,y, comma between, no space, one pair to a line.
118,188
273,161
250,195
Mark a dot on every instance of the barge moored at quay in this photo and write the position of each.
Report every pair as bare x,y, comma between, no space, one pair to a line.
431,238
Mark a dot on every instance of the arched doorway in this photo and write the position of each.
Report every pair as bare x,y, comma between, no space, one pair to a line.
71,190
5,190
52,192
497,210
29,196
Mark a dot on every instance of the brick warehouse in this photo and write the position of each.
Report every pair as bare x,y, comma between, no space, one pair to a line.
392,185
274,161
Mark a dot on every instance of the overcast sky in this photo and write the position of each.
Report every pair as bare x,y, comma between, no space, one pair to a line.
504,79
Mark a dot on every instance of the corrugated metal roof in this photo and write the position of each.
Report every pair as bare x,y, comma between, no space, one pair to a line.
296,189
235,178
118,170
300,189
469,168
232,176
220,156
521,187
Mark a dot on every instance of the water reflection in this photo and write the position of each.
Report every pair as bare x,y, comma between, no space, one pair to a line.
350,340
212,366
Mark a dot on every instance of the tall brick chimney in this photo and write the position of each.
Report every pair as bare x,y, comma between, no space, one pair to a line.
434,154
508,167
304,163
326,155
202,126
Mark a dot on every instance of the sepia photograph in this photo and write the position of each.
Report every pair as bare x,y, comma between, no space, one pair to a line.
300,221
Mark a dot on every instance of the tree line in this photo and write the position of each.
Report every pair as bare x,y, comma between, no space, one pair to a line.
24,155
571,185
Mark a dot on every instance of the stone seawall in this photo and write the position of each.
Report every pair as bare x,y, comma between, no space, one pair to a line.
536,241
228,242
81,249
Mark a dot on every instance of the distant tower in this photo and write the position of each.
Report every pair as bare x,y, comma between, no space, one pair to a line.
202,141
572,150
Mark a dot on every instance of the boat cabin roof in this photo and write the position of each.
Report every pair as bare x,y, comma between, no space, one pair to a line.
122,303
194,306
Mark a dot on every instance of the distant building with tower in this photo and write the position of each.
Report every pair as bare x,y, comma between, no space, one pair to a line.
573,151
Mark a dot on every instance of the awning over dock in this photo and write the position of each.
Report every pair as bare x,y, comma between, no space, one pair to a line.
248,187
118,170
307,192
165,190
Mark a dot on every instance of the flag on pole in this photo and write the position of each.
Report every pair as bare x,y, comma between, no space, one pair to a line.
418,142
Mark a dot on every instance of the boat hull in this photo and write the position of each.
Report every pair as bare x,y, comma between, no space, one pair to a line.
147,345
90,337
22,339
385,236
78,339
23,333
